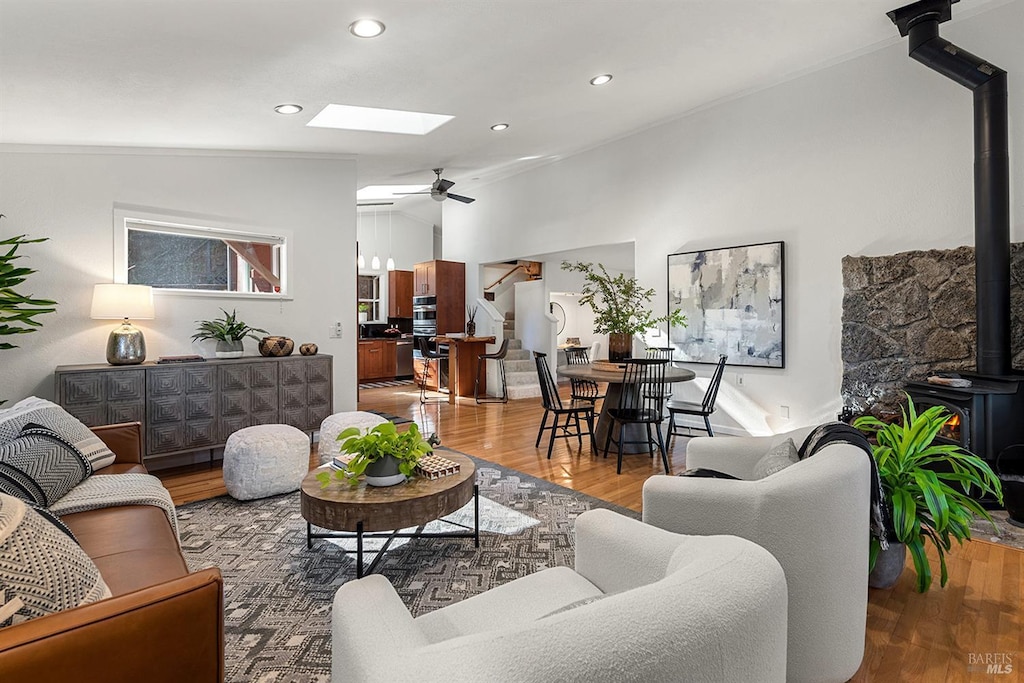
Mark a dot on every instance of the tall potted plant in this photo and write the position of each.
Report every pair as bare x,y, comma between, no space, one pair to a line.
927,484
620,308
18,311
229,332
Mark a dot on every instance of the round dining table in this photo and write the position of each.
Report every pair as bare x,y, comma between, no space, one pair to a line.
611,398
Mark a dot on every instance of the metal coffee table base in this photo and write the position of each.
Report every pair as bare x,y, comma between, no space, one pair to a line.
473,532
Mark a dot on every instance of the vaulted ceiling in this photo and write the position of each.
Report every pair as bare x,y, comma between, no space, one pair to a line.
208,73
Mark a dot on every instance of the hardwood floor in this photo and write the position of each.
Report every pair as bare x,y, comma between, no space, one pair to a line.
939,636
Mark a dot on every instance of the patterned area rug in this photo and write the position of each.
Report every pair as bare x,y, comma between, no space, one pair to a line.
278,595
387,383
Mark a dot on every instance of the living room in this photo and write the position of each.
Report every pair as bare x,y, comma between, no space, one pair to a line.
850,149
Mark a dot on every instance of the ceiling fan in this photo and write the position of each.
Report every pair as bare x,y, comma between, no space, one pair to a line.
439,190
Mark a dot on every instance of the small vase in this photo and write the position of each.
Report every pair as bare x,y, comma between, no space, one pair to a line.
888,566
620,346
229,349
471,328
363,316
276,346
384,472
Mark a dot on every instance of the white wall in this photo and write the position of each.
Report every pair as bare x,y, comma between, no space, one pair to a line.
871,156
68,196
411,242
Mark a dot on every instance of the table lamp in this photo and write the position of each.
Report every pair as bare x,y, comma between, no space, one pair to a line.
126,345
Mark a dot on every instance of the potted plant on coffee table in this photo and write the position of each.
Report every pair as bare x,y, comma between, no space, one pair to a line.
620,308
928,485
383,455
229,332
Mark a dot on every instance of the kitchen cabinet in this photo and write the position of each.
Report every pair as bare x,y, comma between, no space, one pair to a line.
425,279
445,280
376,359
400,288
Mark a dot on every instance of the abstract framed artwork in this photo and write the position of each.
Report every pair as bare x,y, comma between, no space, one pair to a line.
733,302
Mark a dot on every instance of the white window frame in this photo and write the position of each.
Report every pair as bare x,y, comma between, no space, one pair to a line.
195,225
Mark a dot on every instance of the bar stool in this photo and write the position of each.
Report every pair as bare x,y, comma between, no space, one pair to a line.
430,355
481,366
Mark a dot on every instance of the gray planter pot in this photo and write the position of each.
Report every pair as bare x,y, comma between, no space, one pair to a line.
888,566
229,349
384,472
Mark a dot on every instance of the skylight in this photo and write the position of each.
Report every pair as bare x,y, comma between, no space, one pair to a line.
379,192
378,120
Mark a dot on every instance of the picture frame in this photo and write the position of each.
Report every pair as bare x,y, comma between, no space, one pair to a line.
733,300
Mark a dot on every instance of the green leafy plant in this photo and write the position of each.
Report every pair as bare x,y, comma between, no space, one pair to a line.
363,307
381,441
229,328
619,303
18,311
926,484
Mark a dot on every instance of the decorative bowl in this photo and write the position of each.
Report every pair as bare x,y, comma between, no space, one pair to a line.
276,346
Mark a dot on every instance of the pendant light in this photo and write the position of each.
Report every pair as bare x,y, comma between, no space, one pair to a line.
375,263
360,260
391,261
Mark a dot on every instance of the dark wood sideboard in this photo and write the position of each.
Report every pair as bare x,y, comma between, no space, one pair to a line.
187,407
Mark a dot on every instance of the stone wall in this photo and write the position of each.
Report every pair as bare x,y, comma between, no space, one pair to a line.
911,314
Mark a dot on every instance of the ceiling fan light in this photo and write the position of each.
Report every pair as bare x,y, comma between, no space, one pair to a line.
366,28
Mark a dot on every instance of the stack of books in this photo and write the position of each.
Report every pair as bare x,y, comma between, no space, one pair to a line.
341,462
433,466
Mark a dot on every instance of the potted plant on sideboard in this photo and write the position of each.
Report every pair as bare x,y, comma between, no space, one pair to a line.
926,484
383,455
620,308
229,332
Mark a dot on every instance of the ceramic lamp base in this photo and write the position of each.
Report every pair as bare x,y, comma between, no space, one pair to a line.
126,345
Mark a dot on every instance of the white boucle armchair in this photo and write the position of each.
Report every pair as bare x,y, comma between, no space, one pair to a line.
671,608
812,516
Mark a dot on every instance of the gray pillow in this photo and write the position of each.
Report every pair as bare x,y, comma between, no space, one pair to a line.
775,460
42,570
41,466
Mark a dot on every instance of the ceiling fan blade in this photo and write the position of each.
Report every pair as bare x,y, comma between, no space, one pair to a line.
460,198
443,185
407,193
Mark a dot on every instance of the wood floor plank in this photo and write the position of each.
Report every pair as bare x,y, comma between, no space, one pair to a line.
910,637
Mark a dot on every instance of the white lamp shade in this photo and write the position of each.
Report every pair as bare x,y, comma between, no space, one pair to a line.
117,301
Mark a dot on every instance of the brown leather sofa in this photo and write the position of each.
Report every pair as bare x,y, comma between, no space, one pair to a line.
162,625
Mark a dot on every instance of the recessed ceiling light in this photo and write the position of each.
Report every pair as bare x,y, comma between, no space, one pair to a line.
377,120
600,80
366,28
287,109
499,126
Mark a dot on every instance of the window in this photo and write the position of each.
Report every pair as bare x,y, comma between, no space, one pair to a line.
198,256
369,294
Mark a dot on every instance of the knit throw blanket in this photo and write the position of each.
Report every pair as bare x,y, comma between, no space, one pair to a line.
839,432
111,490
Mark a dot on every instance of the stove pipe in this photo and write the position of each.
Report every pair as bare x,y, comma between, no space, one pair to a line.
920,21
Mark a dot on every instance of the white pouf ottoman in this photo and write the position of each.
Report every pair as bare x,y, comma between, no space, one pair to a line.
339,422
265,460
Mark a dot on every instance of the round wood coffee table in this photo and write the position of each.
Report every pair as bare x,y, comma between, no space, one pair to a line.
390,509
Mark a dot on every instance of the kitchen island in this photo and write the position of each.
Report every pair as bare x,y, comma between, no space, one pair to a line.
463,353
